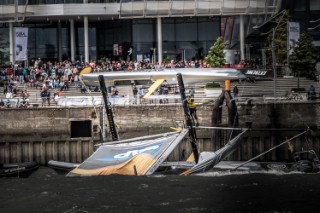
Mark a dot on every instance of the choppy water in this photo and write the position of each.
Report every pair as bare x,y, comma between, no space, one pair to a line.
215,191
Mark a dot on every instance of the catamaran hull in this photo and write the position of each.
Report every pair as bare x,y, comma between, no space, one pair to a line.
190,75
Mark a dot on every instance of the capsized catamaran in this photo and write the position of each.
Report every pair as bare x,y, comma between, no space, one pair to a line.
144,155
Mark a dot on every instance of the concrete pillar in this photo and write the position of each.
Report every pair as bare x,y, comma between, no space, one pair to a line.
11,34
159,39
59,41
86,39
72,40
242,55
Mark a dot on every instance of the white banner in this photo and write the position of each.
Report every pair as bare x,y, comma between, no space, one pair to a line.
293,35
21,43
115,49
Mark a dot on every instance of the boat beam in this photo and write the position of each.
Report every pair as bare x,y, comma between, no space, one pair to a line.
188,118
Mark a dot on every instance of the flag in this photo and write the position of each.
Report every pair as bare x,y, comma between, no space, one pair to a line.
293,35
21,43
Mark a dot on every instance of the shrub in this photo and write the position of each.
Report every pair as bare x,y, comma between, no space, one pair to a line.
212,85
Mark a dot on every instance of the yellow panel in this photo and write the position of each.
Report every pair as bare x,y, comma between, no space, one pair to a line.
140,161
85,71
153,87
191,158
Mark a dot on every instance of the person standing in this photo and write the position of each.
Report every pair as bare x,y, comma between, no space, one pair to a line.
135,95
141,94
192,109
235,92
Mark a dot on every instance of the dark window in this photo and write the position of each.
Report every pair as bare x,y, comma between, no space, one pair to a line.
81,129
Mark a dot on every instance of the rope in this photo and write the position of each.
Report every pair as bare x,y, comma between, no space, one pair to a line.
273,148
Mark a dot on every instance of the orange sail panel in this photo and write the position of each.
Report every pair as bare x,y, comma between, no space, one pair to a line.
140,157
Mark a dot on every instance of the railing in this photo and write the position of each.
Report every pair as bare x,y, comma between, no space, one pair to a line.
140,8
13,10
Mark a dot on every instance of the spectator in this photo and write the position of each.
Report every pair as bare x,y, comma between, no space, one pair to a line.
311,92
43,96
235,92
1,104
7,103
135,95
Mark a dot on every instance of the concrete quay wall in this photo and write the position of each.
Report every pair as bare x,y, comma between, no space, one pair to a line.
44,134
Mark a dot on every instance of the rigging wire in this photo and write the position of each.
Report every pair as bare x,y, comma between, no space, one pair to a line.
273,148
94,106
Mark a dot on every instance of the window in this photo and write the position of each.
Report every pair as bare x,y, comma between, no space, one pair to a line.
299,5
81,128
314,5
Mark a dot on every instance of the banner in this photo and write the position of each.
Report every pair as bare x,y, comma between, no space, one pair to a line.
115,50
293,35
21,43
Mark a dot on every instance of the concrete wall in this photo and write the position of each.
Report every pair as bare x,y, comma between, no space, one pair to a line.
43,134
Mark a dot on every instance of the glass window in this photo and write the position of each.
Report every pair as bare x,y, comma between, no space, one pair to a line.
186,31
299,5
208,31
168,33
314,5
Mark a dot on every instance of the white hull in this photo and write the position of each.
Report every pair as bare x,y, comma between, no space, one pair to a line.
190,75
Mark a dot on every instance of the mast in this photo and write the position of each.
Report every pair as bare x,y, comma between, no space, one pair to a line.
112,125
189,121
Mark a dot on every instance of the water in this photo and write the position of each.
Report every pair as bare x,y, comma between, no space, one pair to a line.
239,191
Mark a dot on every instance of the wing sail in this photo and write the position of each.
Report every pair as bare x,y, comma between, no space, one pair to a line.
153,87
135,158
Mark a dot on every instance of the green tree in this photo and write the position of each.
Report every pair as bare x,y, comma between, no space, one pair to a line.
215,55
280,42
304,58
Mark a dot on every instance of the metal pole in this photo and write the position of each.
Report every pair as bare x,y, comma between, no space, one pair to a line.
273,64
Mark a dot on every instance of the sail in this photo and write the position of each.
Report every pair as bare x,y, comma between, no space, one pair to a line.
139,157
207,160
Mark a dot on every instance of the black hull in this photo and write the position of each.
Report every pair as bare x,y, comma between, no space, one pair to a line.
62,167
18,169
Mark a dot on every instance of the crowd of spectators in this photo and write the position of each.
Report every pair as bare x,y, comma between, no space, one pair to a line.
56,76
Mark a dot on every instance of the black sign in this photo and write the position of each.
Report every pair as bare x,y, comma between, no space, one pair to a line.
261,73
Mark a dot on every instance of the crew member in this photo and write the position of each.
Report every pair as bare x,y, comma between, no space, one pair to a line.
192,109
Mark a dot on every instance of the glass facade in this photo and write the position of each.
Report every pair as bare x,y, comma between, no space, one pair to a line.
314,5
191,36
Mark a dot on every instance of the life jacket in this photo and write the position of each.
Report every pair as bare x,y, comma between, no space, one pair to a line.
191,103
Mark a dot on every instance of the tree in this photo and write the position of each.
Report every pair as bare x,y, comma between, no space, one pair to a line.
304,58
280,42
215,55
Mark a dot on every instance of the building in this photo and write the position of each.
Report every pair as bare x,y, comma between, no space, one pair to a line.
154,30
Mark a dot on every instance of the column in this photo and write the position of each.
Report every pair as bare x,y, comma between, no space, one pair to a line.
72,40
59,40
86,39
12,58
242,55
159,38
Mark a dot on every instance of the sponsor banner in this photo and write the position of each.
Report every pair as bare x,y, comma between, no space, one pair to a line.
293,35
21,43
263,73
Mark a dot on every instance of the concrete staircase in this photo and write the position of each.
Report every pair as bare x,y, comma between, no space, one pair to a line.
259,89
266,88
